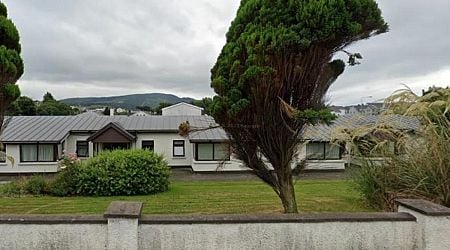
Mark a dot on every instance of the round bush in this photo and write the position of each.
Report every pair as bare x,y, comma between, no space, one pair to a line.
124,172
36,185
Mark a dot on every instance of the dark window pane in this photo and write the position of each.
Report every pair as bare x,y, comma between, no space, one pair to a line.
149,145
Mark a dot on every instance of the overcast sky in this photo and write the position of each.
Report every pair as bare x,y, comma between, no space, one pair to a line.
112,47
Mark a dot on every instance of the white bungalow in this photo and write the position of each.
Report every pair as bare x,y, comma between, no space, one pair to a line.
36,143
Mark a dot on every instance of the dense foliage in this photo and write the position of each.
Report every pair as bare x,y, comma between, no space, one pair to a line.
124,172
280,52
66,181
419,167
11,65
34,185
25,106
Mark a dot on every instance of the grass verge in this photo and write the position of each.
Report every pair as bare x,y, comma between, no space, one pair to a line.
203,197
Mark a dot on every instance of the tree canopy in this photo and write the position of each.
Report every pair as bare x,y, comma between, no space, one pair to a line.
51,107
11,65
23,106
280,53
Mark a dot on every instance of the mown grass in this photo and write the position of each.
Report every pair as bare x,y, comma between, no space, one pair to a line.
203,197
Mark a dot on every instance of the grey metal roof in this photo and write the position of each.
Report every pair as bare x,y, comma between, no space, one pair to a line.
55,128
213,134
323,132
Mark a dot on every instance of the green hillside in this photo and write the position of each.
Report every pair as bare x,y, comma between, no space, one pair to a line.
127,101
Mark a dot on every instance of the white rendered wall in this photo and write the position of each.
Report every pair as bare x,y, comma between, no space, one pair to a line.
181,109
13,150
326,235
59,236
163,143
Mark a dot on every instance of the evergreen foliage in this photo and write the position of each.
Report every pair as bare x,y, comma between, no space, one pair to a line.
280,52
11,65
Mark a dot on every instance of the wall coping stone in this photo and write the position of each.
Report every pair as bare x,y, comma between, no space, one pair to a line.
275,218
122,209
52,219
424,207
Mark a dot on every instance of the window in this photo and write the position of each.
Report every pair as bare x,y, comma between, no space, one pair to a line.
212,152
178,148
2,153
82,149
322,151
38,152
149,145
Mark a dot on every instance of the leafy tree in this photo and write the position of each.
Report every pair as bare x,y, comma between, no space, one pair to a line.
26,106
50,107
11,65
144,108
205,103
48,97
278,56
106,111
13,109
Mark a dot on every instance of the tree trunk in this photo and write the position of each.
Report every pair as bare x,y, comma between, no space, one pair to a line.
287,195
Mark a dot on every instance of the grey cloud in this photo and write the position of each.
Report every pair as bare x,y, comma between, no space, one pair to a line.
119,47
417,44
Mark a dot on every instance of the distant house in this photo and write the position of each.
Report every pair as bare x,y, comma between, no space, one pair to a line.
36,143
182,108
140,113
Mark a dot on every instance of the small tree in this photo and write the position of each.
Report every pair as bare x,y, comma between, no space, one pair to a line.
106,111
26,106
278,57
48,97
11,65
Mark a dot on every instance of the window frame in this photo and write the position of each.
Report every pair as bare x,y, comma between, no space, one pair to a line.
173,148
324,153
87,146
55,151
147,141
3,149
214,151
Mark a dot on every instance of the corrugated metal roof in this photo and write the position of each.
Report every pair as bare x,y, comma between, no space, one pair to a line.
55,128
323,132
213,134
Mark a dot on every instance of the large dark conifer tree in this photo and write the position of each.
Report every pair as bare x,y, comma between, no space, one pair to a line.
11,65
280,53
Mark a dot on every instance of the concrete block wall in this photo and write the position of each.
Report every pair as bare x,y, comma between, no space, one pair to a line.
418,225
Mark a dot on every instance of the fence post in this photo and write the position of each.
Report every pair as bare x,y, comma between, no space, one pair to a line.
433,222
123,222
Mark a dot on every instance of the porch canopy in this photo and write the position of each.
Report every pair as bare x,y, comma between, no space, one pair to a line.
112,133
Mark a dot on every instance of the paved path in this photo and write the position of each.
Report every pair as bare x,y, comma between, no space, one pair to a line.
186,174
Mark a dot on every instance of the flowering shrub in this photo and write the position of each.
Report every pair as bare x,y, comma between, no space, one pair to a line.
65,182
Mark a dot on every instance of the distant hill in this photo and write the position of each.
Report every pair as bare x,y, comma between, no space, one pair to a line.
127,101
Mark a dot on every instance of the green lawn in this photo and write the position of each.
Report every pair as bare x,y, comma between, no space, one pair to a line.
203,197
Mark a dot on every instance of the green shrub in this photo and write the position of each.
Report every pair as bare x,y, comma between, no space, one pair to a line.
124,172
66,181
15,188
419,165
36,185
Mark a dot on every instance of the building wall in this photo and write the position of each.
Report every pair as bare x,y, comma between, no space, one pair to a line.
181,109
13,150
164,145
